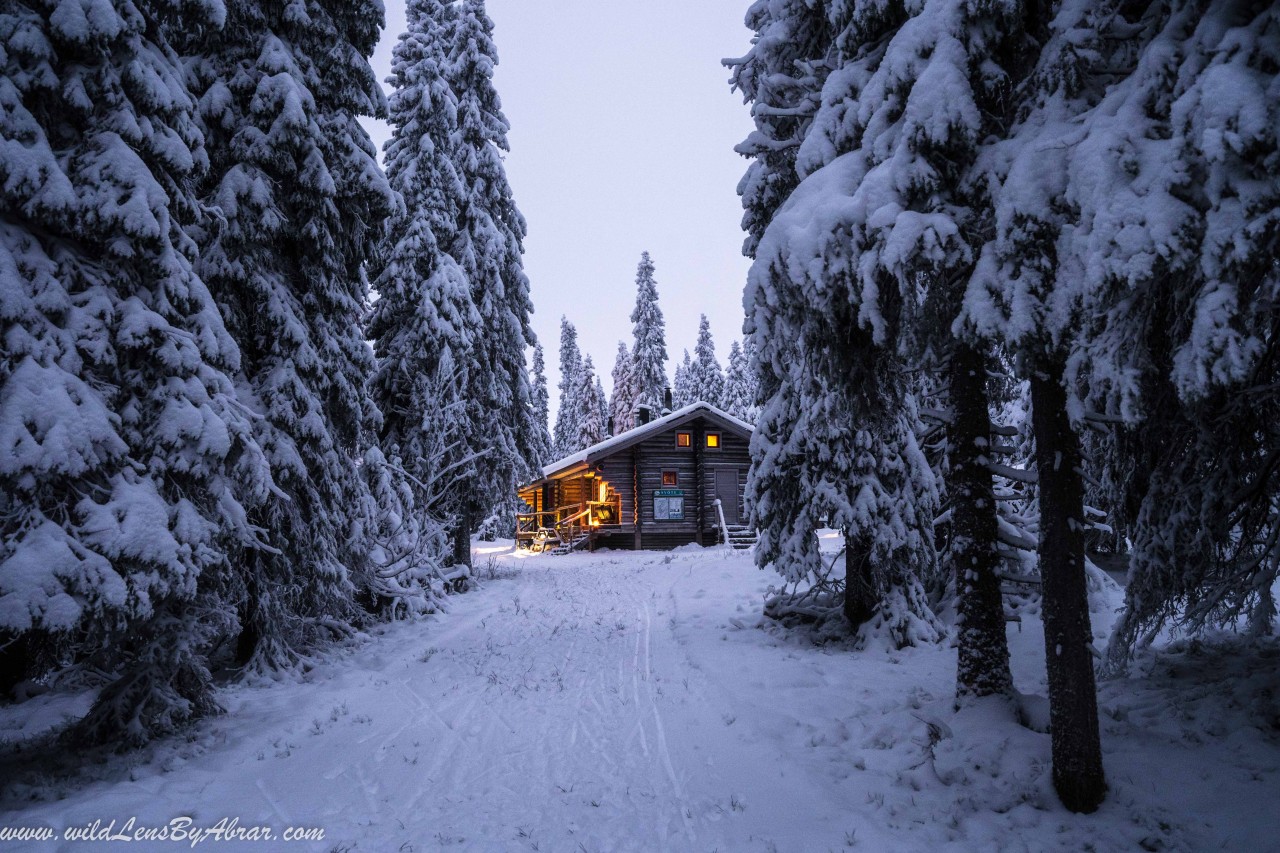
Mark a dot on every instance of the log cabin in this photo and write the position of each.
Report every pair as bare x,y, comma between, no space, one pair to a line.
669,482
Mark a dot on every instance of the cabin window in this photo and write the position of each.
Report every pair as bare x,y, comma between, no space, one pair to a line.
713,441
670,478
684,439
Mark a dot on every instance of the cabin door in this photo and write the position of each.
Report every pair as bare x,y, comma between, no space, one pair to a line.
727,492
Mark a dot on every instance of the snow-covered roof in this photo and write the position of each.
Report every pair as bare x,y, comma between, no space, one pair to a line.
640,433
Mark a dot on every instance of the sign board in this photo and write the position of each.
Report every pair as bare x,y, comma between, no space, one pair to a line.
668,505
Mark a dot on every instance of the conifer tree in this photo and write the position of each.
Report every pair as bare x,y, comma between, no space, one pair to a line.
425,324
682,389
126,459
295,198
541,402
782,78
567,427
592,415
650,346
739,385
623,399
488,246
706,379
1020,266
840,285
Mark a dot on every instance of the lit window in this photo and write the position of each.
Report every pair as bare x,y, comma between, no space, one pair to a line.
713,441
669,478
684,439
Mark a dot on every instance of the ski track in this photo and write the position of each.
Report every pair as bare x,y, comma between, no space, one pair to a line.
550,710
613,702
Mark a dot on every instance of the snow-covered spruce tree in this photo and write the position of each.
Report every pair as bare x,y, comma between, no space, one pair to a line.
650,348
566,432
295,198
425,325
623,399
1205,529
682,387
907,108
781,78
739,385
593,416
1162,221
1027,292
706,379
541,401
836,437
488,246
602,400
124,454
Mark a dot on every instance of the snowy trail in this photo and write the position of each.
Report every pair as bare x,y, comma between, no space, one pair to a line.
629,702
550,710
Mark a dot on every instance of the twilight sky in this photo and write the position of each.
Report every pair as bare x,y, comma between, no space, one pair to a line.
622,135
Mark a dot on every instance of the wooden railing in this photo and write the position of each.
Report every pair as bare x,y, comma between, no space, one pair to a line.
536,528
724,526
564,525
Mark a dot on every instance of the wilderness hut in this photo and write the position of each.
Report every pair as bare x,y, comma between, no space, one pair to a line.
668,482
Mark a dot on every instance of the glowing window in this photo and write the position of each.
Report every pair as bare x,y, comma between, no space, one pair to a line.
684,439
713,441
669,478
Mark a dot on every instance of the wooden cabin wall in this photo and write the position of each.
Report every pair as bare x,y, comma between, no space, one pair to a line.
573,491
656,455
734,452
617,471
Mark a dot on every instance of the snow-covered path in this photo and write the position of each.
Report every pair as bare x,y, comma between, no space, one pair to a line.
554,709
631,702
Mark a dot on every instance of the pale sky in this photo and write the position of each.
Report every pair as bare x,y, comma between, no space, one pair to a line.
622,134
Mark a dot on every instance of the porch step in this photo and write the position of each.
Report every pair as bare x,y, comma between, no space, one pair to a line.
574,545
742,537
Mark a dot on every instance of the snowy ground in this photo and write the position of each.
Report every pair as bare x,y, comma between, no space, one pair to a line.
636,702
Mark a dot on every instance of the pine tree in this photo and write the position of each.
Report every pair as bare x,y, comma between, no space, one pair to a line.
682,389
127,459
541,402
567,427
296,198
706,379
739,385
623,400
489,249
650,346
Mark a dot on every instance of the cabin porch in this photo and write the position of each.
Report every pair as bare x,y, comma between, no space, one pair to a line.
571,512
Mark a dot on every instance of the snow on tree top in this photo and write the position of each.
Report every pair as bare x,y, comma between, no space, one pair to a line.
630,437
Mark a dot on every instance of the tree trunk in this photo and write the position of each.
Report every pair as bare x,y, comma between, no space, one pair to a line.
462,539
16,653
982,666
859,585
1073,701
